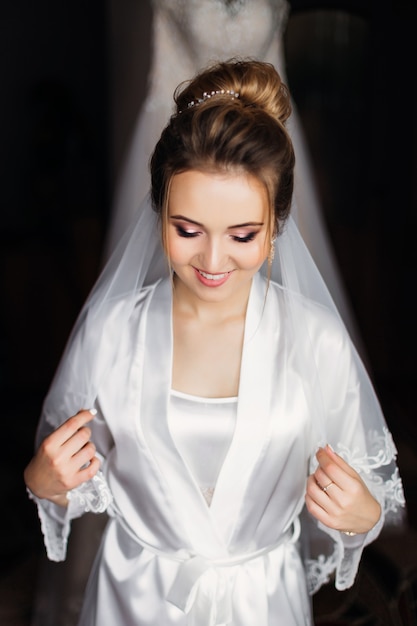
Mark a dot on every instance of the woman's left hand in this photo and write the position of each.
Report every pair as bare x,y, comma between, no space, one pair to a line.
338,497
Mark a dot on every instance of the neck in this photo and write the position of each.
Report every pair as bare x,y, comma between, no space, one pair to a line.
186,302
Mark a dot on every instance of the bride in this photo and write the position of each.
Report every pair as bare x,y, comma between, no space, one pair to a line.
210,398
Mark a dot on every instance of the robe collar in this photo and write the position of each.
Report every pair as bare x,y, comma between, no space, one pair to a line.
209,529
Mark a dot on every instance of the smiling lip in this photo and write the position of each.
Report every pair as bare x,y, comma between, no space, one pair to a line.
212,280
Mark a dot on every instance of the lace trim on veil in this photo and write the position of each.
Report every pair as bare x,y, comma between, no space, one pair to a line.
388,490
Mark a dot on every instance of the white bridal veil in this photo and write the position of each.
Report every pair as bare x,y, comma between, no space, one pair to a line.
100,331
139,261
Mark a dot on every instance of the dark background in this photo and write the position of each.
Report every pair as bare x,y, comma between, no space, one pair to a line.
68,103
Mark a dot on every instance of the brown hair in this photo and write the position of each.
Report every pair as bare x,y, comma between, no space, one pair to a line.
230,117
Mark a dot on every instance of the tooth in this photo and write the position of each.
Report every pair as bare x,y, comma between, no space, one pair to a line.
212,276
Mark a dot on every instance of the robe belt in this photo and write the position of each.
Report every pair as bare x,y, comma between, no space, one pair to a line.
203,587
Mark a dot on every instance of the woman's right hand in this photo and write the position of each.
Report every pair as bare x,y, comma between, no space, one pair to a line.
64,460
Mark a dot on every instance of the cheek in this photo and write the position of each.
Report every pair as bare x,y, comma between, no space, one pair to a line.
178,253
252,256
172,252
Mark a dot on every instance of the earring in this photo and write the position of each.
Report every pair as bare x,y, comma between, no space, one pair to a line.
271,254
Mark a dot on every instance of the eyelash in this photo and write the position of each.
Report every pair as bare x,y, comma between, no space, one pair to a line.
188,235
185,233
246,238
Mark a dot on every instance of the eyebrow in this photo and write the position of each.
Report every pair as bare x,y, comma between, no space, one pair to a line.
187,219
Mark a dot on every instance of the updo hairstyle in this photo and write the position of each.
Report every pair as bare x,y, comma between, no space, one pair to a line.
238,129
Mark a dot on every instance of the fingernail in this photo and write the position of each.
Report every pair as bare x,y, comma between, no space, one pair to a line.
93,411
329,447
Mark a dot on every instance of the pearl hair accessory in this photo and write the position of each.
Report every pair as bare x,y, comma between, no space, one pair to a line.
207,95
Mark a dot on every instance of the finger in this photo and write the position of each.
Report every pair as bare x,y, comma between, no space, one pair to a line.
88,472
337,459
80,468
74,479
341,474
62,455
57,451
320,497
83,457
76,443
72,425
323,480
319,512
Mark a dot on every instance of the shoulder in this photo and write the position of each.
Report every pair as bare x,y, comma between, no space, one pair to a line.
106,326
126,306
319,343
314,311
310,320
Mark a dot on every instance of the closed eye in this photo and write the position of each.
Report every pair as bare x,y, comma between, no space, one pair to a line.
245,238
185,233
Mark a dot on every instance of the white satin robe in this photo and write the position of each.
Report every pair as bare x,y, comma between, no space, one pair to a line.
166,557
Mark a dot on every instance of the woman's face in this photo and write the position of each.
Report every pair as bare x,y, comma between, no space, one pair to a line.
217,233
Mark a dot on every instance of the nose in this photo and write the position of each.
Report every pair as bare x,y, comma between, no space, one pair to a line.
213,256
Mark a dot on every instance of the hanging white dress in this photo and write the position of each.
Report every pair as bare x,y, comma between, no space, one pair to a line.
167,558
187,35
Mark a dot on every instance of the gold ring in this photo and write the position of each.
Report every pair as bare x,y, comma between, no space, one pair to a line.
327,486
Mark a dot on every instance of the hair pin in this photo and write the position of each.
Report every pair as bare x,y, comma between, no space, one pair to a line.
209,94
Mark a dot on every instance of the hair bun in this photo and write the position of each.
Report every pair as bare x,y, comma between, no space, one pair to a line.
257,84
262,87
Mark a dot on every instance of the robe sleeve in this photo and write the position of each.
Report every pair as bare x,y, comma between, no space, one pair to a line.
92,496
355,427
90,352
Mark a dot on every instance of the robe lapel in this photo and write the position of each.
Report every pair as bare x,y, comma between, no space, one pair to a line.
209,529
253,411
185,494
